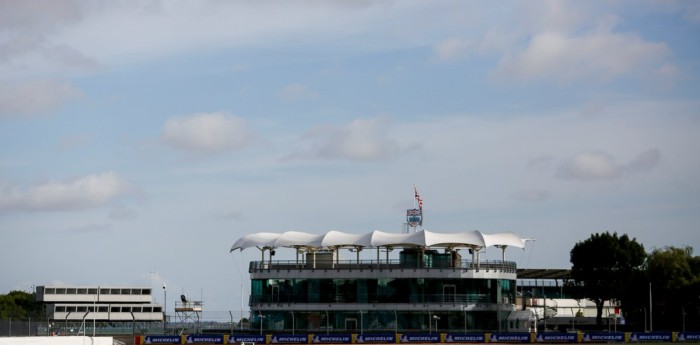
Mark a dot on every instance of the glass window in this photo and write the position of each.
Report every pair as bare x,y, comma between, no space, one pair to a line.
60,309
126,291
157,309
146,291
147,309
49,291
92,291
102,309
81,309
60,291
136,309
115,292
71,309
82,291
104,291
70,291
115,309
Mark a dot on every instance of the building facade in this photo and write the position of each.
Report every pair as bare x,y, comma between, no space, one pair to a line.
430,287
99,303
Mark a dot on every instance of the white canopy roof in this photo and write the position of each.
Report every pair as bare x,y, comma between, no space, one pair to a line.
422,238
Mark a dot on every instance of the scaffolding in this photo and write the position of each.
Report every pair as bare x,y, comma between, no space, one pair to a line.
189,315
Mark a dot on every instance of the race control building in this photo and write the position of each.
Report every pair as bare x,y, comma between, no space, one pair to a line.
437,283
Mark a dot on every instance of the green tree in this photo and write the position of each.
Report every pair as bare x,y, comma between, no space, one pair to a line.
675,277
602,265
19,305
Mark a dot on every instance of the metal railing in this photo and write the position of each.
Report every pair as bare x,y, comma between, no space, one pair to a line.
464,265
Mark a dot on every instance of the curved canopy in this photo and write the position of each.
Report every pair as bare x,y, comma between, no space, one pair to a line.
260,239
422,238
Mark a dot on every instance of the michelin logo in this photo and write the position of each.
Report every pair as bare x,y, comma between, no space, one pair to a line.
464,338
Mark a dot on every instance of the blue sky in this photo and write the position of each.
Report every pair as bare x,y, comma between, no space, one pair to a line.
139,140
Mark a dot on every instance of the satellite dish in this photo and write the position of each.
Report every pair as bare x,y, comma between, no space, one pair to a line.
183,298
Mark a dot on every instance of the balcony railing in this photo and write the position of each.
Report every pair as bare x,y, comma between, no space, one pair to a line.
486,265
410,299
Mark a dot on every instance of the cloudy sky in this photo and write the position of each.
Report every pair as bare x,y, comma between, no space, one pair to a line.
140,139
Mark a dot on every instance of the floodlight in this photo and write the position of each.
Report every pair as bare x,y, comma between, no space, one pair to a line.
183,298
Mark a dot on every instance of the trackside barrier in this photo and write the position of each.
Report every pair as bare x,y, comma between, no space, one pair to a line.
423,338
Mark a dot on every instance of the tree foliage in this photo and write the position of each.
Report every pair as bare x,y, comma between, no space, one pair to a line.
674,274
602,266
19,305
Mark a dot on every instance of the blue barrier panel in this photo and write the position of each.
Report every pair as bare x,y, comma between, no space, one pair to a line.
688,336
289,338
658,336
604,337
509,338
204,339
465,338
162,339
420,338
332,338
376,338
240,338
556,337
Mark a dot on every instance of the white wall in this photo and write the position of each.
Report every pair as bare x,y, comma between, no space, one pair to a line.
67,340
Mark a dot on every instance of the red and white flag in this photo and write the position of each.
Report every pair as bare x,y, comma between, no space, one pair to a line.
420,202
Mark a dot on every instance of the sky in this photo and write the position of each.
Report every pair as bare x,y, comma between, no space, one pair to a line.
140,139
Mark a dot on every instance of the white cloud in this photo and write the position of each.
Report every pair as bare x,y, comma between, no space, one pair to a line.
602,166
297,92
452,49
206,133
121,212
28,42
598,56
82,193
532,195
90,228
590,166
36,97
562,42
361,139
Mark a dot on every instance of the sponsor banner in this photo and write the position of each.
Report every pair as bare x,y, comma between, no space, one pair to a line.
289,339
661,336
556,337
204,339
375,338
332,338
688,336
246,338
465,338
509,338
162,339
604,337
420,338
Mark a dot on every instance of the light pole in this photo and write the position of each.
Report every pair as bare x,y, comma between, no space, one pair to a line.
361,322
262,318
293,326
436,321
464,309
165,309
683,314
396,322
651,315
